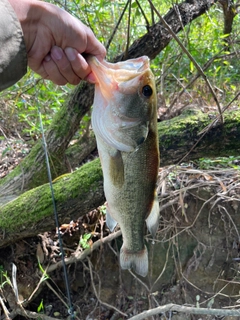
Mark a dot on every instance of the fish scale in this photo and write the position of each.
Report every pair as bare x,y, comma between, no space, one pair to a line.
124,120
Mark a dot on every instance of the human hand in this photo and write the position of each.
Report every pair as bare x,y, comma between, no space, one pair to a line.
55,42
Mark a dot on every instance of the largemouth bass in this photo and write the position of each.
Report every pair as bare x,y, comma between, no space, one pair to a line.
124,120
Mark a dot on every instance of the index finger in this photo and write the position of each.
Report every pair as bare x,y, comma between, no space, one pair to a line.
79,65
93,46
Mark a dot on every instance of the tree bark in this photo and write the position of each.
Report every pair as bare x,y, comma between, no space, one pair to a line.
79,192
32,170
229,13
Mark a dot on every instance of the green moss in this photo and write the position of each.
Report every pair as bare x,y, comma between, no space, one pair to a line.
186,121
34,205
177,128
81,181
181,133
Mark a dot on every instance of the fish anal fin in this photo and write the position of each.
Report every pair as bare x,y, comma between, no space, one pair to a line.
117,169
152,220
138,261
111,223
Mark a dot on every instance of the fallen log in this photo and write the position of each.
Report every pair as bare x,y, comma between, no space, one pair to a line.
81,191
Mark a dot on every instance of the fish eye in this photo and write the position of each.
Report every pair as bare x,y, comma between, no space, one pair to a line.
147,91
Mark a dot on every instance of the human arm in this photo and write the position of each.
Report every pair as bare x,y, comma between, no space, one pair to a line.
13,57
55,41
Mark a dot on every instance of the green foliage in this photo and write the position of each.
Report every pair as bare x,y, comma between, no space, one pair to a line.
40,307
103,209
220,162
85,124
84,240
4,278
21,103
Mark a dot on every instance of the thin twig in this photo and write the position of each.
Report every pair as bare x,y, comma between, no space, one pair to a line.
5,310
164,267
208,127
198,67
231,219
128,30
139,280
116,27
143,13
55,292
31,314
109,306
192,80
79,256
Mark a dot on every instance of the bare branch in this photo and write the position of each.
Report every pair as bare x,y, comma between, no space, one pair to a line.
79,256
197,65
183,309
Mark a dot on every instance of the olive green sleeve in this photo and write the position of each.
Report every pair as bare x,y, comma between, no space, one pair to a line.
13,56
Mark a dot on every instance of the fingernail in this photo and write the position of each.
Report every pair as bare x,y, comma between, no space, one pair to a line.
47,58
90,78
71,53
57,53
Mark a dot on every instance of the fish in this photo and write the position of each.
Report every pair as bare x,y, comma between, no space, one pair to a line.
124,120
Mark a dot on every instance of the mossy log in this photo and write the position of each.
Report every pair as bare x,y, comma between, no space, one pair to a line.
32,212
81,191
180,139
32,170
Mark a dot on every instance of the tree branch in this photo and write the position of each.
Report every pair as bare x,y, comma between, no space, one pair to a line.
183,309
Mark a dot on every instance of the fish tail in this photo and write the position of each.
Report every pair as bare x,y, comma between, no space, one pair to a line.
138,261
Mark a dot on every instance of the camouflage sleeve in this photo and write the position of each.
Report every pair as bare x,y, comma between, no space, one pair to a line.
13,56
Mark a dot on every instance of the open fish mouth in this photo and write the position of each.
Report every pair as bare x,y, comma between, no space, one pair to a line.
119,82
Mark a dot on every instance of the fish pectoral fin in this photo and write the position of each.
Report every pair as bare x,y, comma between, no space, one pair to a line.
152,220
111,223
138,261
117,169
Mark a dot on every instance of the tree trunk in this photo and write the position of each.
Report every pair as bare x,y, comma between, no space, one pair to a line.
81,191
229,13
32,170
